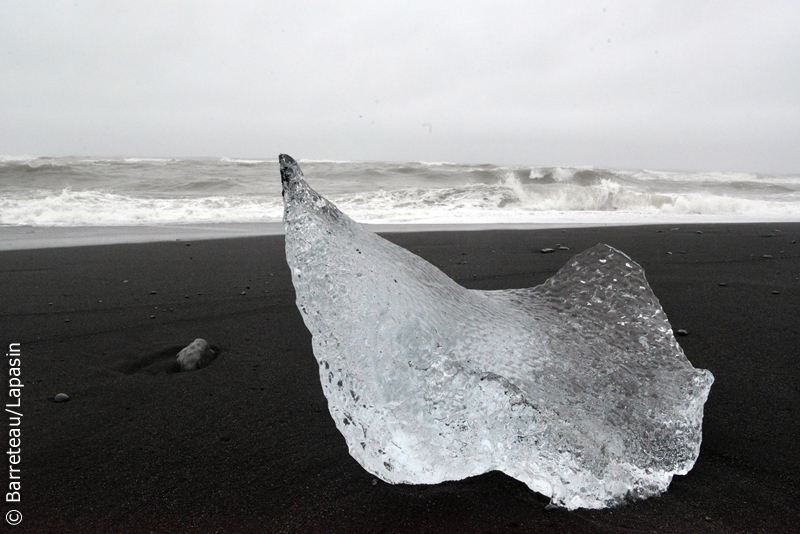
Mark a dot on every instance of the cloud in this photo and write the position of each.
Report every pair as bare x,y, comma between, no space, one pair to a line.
620,84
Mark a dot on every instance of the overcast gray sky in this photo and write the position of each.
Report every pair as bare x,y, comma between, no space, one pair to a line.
658,85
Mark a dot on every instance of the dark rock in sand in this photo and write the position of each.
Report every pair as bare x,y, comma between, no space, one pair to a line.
548,250
196,355
681,332
61,397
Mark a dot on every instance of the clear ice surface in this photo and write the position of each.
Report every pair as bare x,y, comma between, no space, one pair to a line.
576,387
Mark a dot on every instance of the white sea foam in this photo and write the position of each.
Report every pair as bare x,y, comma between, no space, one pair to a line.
16,159
42,191
325,161
93,208
245,161
155,161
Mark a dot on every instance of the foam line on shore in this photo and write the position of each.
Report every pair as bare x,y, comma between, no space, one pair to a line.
33,237
39,237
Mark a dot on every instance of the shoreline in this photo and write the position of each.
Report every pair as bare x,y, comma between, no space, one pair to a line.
247,444
39,237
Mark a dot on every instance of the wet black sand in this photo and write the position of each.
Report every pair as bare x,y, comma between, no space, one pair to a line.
247,445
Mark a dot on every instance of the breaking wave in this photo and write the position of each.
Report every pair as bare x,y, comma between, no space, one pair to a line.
145,191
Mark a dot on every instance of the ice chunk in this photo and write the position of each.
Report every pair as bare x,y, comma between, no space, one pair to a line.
576,387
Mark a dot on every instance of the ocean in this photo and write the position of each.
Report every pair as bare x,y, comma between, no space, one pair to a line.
125,192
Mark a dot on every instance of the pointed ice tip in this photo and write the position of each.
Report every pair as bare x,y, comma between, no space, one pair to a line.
289,168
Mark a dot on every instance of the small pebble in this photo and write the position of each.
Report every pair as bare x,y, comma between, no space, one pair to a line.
374,481
669,253
698,232
152,316
66,320
548,250
124,281
61,397
243,293
722,284
196,355
152,292
682,332
767,256
674,229
562,247
49,303
776,292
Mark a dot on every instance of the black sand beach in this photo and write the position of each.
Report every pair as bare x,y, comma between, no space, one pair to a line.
247,444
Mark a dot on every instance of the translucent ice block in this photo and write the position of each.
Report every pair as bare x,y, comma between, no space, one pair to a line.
576,387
